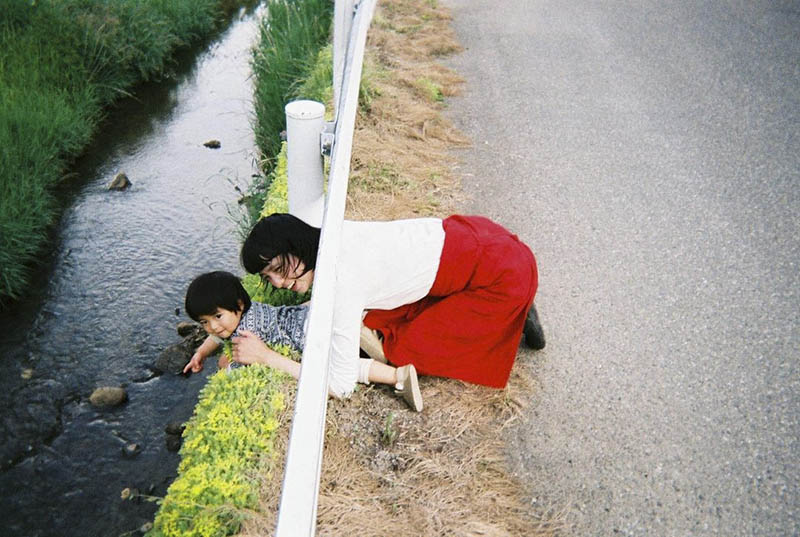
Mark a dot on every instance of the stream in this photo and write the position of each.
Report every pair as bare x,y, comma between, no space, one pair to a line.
111,294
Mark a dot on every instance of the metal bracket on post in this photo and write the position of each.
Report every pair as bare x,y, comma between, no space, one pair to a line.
326,138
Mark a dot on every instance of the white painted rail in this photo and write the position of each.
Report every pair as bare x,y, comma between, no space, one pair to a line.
297,513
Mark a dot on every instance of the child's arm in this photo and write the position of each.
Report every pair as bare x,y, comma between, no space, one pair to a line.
203,351
249,349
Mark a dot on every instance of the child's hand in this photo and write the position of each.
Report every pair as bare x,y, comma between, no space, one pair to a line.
223,362
249,349
195,364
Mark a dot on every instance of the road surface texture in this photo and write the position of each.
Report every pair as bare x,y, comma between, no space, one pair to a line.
649,151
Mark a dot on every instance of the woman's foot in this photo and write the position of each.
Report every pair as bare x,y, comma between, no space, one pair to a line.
408,386
534,334
372,344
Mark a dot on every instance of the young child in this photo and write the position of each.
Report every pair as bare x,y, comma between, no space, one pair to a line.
219,302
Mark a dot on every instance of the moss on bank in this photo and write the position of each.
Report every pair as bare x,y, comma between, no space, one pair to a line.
228,443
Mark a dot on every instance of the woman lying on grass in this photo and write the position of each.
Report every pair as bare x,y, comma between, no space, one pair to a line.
449,297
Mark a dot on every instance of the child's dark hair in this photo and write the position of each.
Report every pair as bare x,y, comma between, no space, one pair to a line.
214,290
279,235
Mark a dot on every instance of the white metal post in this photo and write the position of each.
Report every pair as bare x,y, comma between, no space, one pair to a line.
305,121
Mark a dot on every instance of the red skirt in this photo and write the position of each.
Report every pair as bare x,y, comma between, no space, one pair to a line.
470,325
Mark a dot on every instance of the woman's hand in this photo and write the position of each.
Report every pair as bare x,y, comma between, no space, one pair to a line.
249,349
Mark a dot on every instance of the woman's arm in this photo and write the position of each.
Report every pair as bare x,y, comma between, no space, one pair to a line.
203,351
249,349
344,356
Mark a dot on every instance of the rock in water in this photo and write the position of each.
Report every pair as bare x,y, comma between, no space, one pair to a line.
108,396
173,442
131,450
186,329
174,427
173,358
119,182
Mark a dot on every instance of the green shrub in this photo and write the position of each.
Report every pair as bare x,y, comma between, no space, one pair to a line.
228,443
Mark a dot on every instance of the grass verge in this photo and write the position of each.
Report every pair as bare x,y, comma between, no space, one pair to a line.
229,442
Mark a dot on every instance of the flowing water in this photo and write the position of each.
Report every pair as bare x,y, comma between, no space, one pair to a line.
112,294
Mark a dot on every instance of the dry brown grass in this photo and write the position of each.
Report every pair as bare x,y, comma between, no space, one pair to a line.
401,153
387,470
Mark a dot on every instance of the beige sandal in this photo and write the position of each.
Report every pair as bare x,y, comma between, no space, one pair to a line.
408,386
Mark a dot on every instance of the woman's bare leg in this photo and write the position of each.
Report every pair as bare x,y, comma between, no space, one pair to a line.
382,373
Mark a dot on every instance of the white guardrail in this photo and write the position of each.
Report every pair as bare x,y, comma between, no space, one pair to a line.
297,513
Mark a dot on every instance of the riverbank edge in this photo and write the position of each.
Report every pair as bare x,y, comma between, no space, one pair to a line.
58,81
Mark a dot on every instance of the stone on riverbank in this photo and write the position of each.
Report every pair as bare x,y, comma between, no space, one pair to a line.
186,329
173,442
174,358
174,436
192,333
174,427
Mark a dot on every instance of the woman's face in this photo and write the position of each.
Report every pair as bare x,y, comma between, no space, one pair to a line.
290,276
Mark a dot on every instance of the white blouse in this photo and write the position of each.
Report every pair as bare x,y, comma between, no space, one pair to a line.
382,265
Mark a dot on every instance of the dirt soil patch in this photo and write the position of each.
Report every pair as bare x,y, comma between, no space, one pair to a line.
386,469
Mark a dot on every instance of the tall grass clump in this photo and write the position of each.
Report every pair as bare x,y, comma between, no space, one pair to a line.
61,63
292,34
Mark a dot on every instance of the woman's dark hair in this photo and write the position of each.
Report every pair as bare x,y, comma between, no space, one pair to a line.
214,290
279,235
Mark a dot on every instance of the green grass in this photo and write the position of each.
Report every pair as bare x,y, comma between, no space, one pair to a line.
291,37
317,81
61,63
429,89
228,443
285,72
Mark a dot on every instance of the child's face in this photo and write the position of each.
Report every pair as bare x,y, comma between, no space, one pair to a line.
222,323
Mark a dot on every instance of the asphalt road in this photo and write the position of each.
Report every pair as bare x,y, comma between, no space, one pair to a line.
649,152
